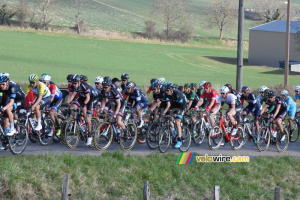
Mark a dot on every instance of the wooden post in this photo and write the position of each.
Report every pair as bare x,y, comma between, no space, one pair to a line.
216,192
146,193
65,187
277,193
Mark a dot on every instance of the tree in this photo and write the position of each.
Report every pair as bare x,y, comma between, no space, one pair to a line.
173,13
6,13
23,11
221,13
270,10
80,23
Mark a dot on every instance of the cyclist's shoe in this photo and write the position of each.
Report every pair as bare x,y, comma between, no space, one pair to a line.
223,144
11,132
178,144
50,134
233,133
2,148
195,134
89,141
38,127
140,125
282,138
58,132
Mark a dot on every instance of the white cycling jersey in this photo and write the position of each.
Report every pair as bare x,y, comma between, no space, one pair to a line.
230,99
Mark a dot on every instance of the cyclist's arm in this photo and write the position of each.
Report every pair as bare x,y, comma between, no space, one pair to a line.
71,96
39,99
87,98
264,109
277,110
167,107
103,102
10,103
200,102
189,105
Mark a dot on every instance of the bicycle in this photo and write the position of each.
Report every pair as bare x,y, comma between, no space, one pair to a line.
264,138
201,128
295,134
218,133
107,131
17,142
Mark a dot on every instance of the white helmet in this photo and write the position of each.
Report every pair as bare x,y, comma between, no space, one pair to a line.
262,88
284,93
98,79
224,89
46,78
5,74
201,83
297,88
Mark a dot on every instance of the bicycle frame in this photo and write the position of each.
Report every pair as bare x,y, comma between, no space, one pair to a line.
226,135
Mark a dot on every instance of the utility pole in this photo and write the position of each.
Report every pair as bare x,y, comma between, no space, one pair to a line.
287,45
240,57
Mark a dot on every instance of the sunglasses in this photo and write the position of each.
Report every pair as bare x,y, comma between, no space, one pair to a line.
296,91
167,90
124,80
105,87
31,83
74,83
97,83
222,93
206,88
186,88
261,92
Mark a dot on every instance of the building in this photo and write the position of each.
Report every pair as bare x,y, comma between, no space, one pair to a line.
267,43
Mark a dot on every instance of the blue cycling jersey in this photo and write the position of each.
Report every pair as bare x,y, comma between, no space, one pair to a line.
291,105
297,96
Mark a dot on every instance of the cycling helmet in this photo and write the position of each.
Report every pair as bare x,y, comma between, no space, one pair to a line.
155,85
187,85
297,88
46,78
284,93
229,86
69,77
75,78
130,85
169,85
153,80
33,78
43,74
162,80
262,88
5,74
271,93
201,83
83,78
224,89
98,79
266,91
106,78
194,85
124,76
3,78
245,89
207,84
175,86
106,82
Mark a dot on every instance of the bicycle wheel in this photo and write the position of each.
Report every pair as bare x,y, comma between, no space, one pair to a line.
152,136
18,142
127,140
47,132
263,139
57,138
63,131
199,134
72,134
295,135
103,136
185,139
215,138
282,140
238,140
164,139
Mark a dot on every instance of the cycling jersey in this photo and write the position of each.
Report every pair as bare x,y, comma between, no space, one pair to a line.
177,100
55,91
192,97
297,96
84,89
230,99
283,106
112,96
251,99
213,95
15,92
291,107
159,96
40,90
138,97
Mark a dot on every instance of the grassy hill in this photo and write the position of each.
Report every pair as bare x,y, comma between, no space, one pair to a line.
24,53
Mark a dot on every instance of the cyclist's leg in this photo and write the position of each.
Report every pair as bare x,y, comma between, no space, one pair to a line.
291,113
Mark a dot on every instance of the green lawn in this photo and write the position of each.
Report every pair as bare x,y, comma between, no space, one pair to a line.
22,54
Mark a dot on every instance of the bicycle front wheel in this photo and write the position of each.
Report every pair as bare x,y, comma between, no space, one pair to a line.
185,139
282,140
72,134
47,132
215,138
199,133
295,135
164,139
263,139
103,136
127,140
18,142
152,136
238,140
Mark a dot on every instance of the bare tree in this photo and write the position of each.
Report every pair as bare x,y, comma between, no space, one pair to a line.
270,10
80,23
23,12
6,13
221,13
173,13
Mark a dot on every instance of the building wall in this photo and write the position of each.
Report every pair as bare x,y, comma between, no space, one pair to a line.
268,48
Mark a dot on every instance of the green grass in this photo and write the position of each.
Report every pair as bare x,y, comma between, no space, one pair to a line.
119,176
22,54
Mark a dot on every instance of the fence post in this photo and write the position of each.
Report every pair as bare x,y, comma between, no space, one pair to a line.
216,192
277,193
65,187
146,193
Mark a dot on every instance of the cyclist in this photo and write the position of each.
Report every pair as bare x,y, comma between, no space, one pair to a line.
161,81
158,96
84,79
55,101
200,92
98,88
85,100
211,95
233,91
176,101
297,95
291,108
116,84
13,98
194,87
43,97
124,79
253,105
150,88
277,114
137,100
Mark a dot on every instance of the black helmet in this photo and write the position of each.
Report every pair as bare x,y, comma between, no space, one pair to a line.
155,84
229,86
130,84
194,85
83,78
69,77
245,89
153,80
125,76
106,82
175,86
169,85
271,93
75,78
187,85
106,78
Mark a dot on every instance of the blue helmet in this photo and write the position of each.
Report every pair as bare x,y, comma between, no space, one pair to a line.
169,85
3,78
155,84
245,89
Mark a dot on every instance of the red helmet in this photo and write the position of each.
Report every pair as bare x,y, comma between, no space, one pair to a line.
207,84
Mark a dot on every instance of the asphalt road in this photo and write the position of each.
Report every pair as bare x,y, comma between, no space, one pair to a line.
249,149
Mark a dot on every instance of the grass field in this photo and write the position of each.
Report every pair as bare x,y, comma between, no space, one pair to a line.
22,54
119,176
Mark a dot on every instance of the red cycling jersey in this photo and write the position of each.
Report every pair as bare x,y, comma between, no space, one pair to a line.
213,95
29,99
149,90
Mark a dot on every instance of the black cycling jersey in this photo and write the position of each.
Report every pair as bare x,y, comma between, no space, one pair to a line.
278,101
113,95
84,89
118,89
14,91
160,95
176,97
251,99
